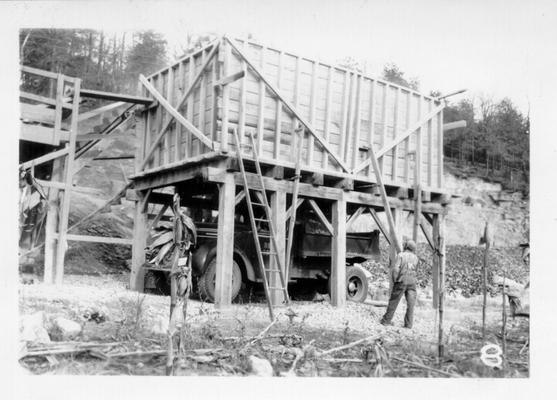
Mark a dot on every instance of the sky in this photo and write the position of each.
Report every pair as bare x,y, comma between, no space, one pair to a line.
491,48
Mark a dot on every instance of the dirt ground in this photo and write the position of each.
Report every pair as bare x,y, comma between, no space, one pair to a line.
219,342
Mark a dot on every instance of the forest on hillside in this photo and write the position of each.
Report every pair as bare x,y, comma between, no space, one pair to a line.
494,145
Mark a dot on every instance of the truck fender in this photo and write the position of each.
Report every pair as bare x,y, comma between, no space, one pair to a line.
200,257
207,251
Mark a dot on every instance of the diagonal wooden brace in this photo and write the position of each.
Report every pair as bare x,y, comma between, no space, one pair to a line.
180,103
288,106
414,127
174,113
390,220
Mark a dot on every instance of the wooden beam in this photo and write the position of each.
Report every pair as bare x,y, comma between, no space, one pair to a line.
69,173
291,209
322,192
338,254
42,134
354,217
290,108
43,159
386,206
100,136
428,236
180,104
37,71
239,197
158,217
127,98
225,95
174,113
225,243
230,78
99,239
400,138
322,217
380,225
52,222
278,216
435,265
98,111
328,112
140,235
454,125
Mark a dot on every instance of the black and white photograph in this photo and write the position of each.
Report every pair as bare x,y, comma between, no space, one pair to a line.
279,189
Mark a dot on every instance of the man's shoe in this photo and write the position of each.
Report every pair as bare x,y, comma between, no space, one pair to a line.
408,327
383,322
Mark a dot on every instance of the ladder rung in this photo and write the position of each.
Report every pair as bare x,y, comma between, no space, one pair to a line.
272,270
264,236
262,219
276,288
268,253
257,204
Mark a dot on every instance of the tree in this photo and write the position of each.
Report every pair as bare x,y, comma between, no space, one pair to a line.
147,55
392,73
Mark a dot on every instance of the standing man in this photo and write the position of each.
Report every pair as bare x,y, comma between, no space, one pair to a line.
404,283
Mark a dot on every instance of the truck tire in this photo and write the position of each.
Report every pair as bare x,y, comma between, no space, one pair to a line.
206,282
356,284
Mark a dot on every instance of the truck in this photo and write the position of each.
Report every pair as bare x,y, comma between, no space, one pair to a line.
311,259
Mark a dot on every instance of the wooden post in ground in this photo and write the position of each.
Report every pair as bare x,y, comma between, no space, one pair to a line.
52,221
278,218
338,254
393,248
140,235
487,240
435,262
438,219
225,242
61,244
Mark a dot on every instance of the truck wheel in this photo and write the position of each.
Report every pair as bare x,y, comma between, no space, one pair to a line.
356,284
206,282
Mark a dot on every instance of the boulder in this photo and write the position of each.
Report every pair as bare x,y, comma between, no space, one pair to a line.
64,329
32,328
260,366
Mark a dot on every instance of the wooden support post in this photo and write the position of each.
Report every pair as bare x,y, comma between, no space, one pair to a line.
225,242
52,222
278,219
140,235
435,224
439,221
487,239
61,245
393,248
338,254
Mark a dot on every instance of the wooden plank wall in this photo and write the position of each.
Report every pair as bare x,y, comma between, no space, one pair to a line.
179,144
346,108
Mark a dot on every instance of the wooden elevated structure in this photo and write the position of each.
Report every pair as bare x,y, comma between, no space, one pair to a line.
368,146
51,124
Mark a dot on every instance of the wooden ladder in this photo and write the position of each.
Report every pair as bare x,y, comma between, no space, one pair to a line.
265,239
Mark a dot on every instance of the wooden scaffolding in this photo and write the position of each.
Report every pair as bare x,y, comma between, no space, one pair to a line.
367,146
50,117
